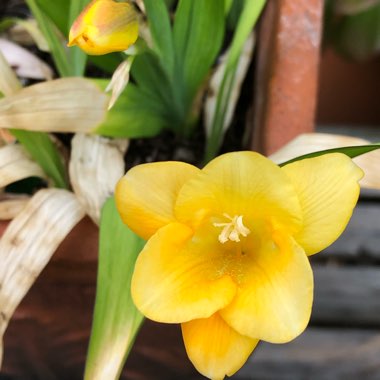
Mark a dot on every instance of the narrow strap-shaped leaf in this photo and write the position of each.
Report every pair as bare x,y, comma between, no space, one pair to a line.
350,151
116,319
51,34
198,35
150,77
9,83
227,5
169,3
77,57
159,24
57,11
45,153
247,20
215,84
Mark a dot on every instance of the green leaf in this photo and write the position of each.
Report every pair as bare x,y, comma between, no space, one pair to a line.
45,153
152,79
350,7
247,20
227,6
6,23
198,35
116,319
234,14
136,114
77,57
170,3
350,151
107,62
149,75
358,36
57,11
159,25
54,41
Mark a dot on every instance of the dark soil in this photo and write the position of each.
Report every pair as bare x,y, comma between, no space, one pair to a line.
13,8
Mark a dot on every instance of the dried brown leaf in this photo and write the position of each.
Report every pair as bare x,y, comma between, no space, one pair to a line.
9,84
27,32
26,64
61,105
96,165
29,242
11,205
15,164
216,82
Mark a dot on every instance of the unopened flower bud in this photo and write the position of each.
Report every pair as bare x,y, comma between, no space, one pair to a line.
105,26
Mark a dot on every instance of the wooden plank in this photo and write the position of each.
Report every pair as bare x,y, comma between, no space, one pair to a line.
346,296
364,131
318,354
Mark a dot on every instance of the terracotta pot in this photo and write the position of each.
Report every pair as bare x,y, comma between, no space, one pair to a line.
48,335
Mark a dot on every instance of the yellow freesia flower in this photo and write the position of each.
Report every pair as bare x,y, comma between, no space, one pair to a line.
228,245
105,26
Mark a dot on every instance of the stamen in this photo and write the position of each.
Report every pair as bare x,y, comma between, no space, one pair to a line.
241,227
232,230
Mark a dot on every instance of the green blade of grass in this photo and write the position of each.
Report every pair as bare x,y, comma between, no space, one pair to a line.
45,153
116,319
350,151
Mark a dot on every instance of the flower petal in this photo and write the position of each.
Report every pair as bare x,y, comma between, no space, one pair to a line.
240,183
215,348
145,196
174,281
275,294
328,189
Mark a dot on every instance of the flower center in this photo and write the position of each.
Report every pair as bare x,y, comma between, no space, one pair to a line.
233,229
